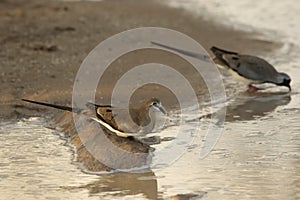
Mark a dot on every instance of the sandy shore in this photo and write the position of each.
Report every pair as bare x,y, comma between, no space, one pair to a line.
44,42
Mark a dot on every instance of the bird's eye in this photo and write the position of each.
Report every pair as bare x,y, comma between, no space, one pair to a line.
154,103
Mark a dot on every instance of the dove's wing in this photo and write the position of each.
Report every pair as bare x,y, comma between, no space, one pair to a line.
254,68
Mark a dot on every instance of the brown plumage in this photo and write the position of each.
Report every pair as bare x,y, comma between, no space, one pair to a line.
117,120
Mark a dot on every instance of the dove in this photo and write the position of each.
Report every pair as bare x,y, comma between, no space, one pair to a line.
115,119
253,69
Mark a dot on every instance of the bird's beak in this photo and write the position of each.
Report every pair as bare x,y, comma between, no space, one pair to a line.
289,87
160,108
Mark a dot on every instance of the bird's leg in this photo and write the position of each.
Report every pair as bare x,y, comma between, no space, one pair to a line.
252,88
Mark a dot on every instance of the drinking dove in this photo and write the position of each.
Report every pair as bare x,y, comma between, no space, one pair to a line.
115,119
253,69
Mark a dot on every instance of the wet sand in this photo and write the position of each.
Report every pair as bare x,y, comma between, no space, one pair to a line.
44,42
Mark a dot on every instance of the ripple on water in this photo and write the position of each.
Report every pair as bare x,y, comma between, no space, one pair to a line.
255,158
31,171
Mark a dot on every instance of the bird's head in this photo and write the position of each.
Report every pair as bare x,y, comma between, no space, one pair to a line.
146,116
284,80
156,104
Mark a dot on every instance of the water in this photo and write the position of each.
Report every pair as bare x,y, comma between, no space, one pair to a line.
254,159
33,160
257,156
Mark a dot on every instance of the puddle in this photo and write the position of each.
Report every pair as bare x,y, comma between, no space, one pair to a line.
255,157
36,163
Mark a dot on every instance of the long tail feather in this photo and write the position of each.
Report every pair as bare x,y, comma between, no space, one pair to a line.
217,50
66,108
199,56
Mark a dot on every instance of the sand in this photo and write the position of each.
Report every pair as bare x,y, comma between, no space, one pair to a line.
43,44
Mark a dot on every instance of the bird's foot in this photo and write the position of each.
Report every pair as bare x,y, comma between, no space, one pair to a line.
252,88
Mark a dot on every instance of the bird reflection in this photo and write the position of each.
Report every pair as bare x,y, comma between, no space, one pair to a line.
124,184
247,107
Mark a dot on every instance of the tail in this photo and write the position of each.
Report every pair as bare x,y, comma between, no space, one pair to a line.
218,52
93,106
66,108
199,56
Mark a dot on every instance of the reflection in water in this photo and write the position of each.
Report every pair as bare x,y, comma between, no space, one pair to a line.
247,107
124,184
35,163
257,157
